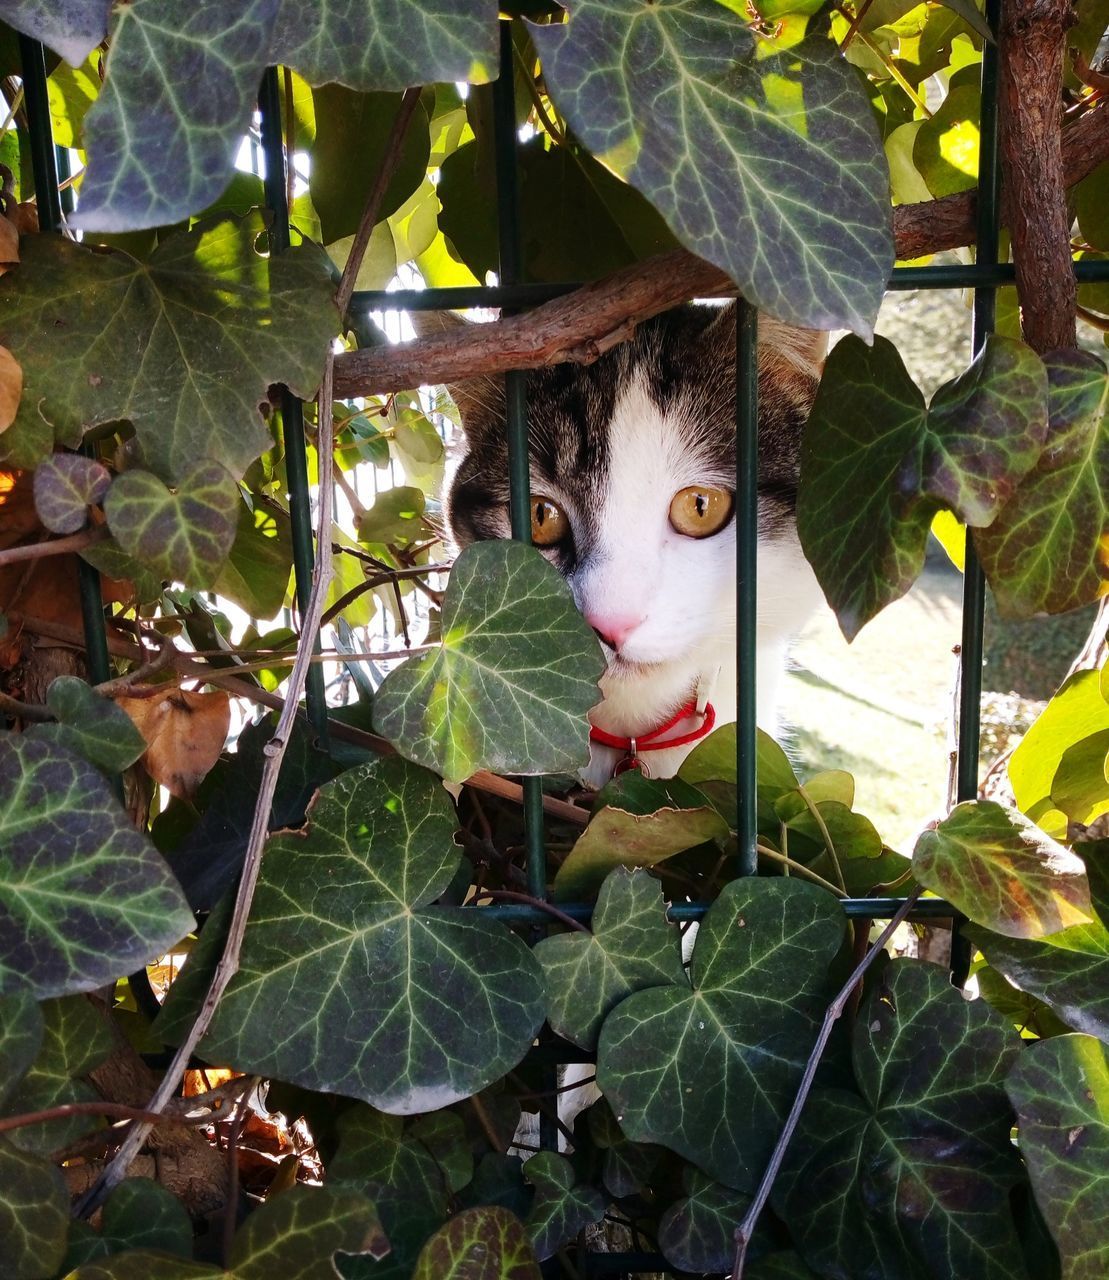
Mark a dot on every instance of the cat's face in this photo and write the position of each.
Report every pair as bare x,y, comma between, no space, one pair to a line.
633,478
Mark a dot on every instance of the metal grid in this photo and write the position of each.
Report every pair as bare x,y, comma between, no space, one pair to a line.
512,292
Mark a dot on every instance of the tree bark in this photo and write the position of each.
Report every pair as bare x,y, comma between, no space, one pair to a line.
584,324
1031,45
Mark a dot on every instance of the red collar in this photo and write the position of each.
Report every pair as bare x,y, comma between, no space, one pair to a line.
654,739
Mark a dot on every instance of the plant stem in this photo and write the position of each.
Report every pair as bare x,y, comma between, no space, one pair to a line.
53,546
825,835
764,851
510,895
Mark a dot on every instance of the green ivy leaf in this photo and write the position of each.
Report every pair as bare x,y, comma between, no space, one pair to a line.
1060,1090
640,823
66,485
512,681
872,479
632,946
1080,788
395,517
89,725
21,1033
762,158
256,573
183,345
34,1215
697,1233
625,1165
138,1214
708,1066
72,27
84,897
186,535
945,150
400,1175
1003,872
1048,550
488,1243
304,1226
912,1178
75,1039
562,1206
443,1134
378,848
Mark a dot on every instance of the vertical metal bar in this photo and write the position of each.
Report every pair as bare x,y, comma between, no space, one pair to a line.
44,164
974,582
511,272
292,409
746,547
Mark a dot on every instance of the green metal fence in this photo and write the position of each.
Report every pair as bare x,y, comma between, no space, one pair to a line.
514,293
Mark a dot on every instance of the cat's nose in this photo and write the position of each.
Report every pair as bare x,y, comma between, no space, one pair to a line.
613,628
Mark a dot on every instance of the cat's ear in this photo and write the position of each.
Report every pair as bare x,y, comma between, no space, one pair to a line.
782,347
480,400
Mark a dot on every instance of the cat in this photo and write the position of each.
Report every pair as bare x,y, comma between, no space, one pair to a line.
632,496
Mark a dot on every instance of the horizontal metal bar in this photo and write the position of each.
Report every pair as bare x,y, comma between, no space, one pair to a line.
459,297
680,912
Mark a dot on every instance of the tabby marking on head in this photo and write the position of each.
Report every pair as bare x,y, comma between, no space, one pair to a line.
633,482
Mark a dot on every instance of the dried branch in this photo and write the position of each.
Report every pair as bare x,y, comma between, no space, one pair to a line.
274,753
1031,44
54,546
746,1229
583,325
386,169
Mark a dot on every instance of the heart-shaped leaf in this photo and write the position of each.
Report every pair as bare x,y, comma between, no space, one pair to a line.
632,946
562,1206
84,897
34,1215
378,849
875,469
697,1233
138,1214
183,733
256,573
762,157
184,345
1060,1089
912,1178
1003,872
89,725
21,1034
626,1166
66,485
487,1243
708,1067
186,535
640,823
510,685
1045,552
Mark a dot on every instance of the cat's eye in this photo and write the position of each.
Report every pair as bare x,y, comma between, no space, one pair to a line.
701,510
549,523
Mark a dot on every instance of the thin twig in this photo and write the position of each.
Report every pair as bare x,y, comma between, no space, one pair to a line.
274,752
162,658
102,1108
386,169
510,895
54,546
230,1219
825,834
746,1228
791,864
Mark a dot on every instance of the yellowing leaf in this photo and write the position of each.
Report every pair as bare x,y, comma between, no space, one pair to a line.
184,733
11,388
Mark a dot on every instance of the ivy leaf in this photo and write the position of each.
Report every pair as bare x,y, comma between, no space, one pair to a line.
640,823
399,1174
562,1207
487,1243
912,1178
708,1067
395,517
697,1233
84,897
626,1166
1047,550
75,1039
762,158
512,681
443,1134
256,573
34,1215
1060,1089
875,467
1003,872
632,946
89,725
72,28
21,1033
183,345
396,44
66,485
186,535
138,1214
456,998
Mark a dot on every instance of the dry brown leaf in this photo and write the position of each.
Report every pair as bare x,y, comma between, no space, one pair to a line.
9,244
26,218
184,733
11,386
